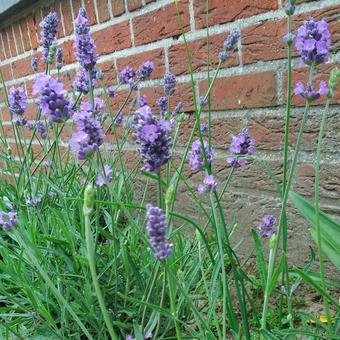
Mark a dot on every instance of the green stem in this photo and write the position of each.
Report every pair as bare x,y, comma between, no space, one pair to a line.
317,213
90,257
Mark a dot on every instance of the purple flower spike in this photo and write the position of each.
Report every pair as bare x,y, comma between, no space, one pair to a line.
162,103
156,229
309,93
52,99
205,129
106,177
8,220
169,83
83,43
266,228
127,75
89,135
145,70
196,157
152,136
209,184
313,42
242,144
17,100
34,64
290,8
48,33
223,56
111,91
231,41
143,100
60,55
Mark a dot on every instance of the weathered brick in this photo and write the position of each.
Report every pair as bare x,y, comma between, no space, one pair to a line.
199,54
114,38
21,67
6,72
118,7
227,11
33,29
136,60
263,41
329,180
2,48
25,35
67,16
134,4
76,4
103,10
182,94
18,39
118,100
10,37
221,130
110,74
159,24
244,91
89,6
69,52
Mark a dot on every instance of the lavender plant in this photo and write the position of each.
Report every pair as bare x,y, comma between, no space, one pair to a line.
87,253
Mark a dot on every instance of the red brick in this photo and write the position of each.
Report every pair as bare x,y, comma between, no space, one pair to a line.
103,10
6,45
69,52
76,4
18,39
329,180
25,35
263,41
156,56
159,24
33,29
118,7
110,74
11,42
183,94
119,99
134,4
89,6
114,38
6,72
21,67
244,91
301,74
222,129
67,15
228,11
2,48
199,53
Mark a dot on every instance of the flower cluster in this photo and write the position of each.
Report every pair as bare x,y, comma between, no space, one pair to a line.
309,93
209,184
60,55
48,33
34,64
242,144
8,220
130,77
83,43
266,228
196,156
152,136
156,229
17,104
169,83
229,44
290,7
52,99
89,135
313,41
41,128
145,70
105,178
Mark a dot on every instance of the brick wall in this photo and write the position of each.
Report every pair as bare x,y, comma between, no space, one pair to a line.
250,90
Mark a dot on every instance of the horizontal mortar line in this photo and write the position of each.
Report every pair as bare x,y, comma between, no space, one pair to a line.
198,33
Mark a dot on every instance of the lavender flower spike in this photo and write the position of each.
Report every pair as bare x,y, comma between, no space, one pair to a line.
196,157
209,183
34,64
48,33
313,42
8,220
156,229
145,70
83,43
266,228
169,83
309,93
17,100
52,99
106,177
232,39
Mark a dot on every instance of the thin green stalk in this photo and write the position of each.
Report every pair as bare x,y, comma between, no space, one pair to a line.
88,208
285,276
317,213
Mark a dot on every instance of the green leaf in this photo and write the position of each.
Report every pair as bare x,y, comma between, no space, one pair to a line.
261,263
330,229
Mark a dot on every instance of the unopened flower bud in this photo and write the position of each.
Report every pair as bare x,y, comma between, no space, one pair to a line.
89,196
